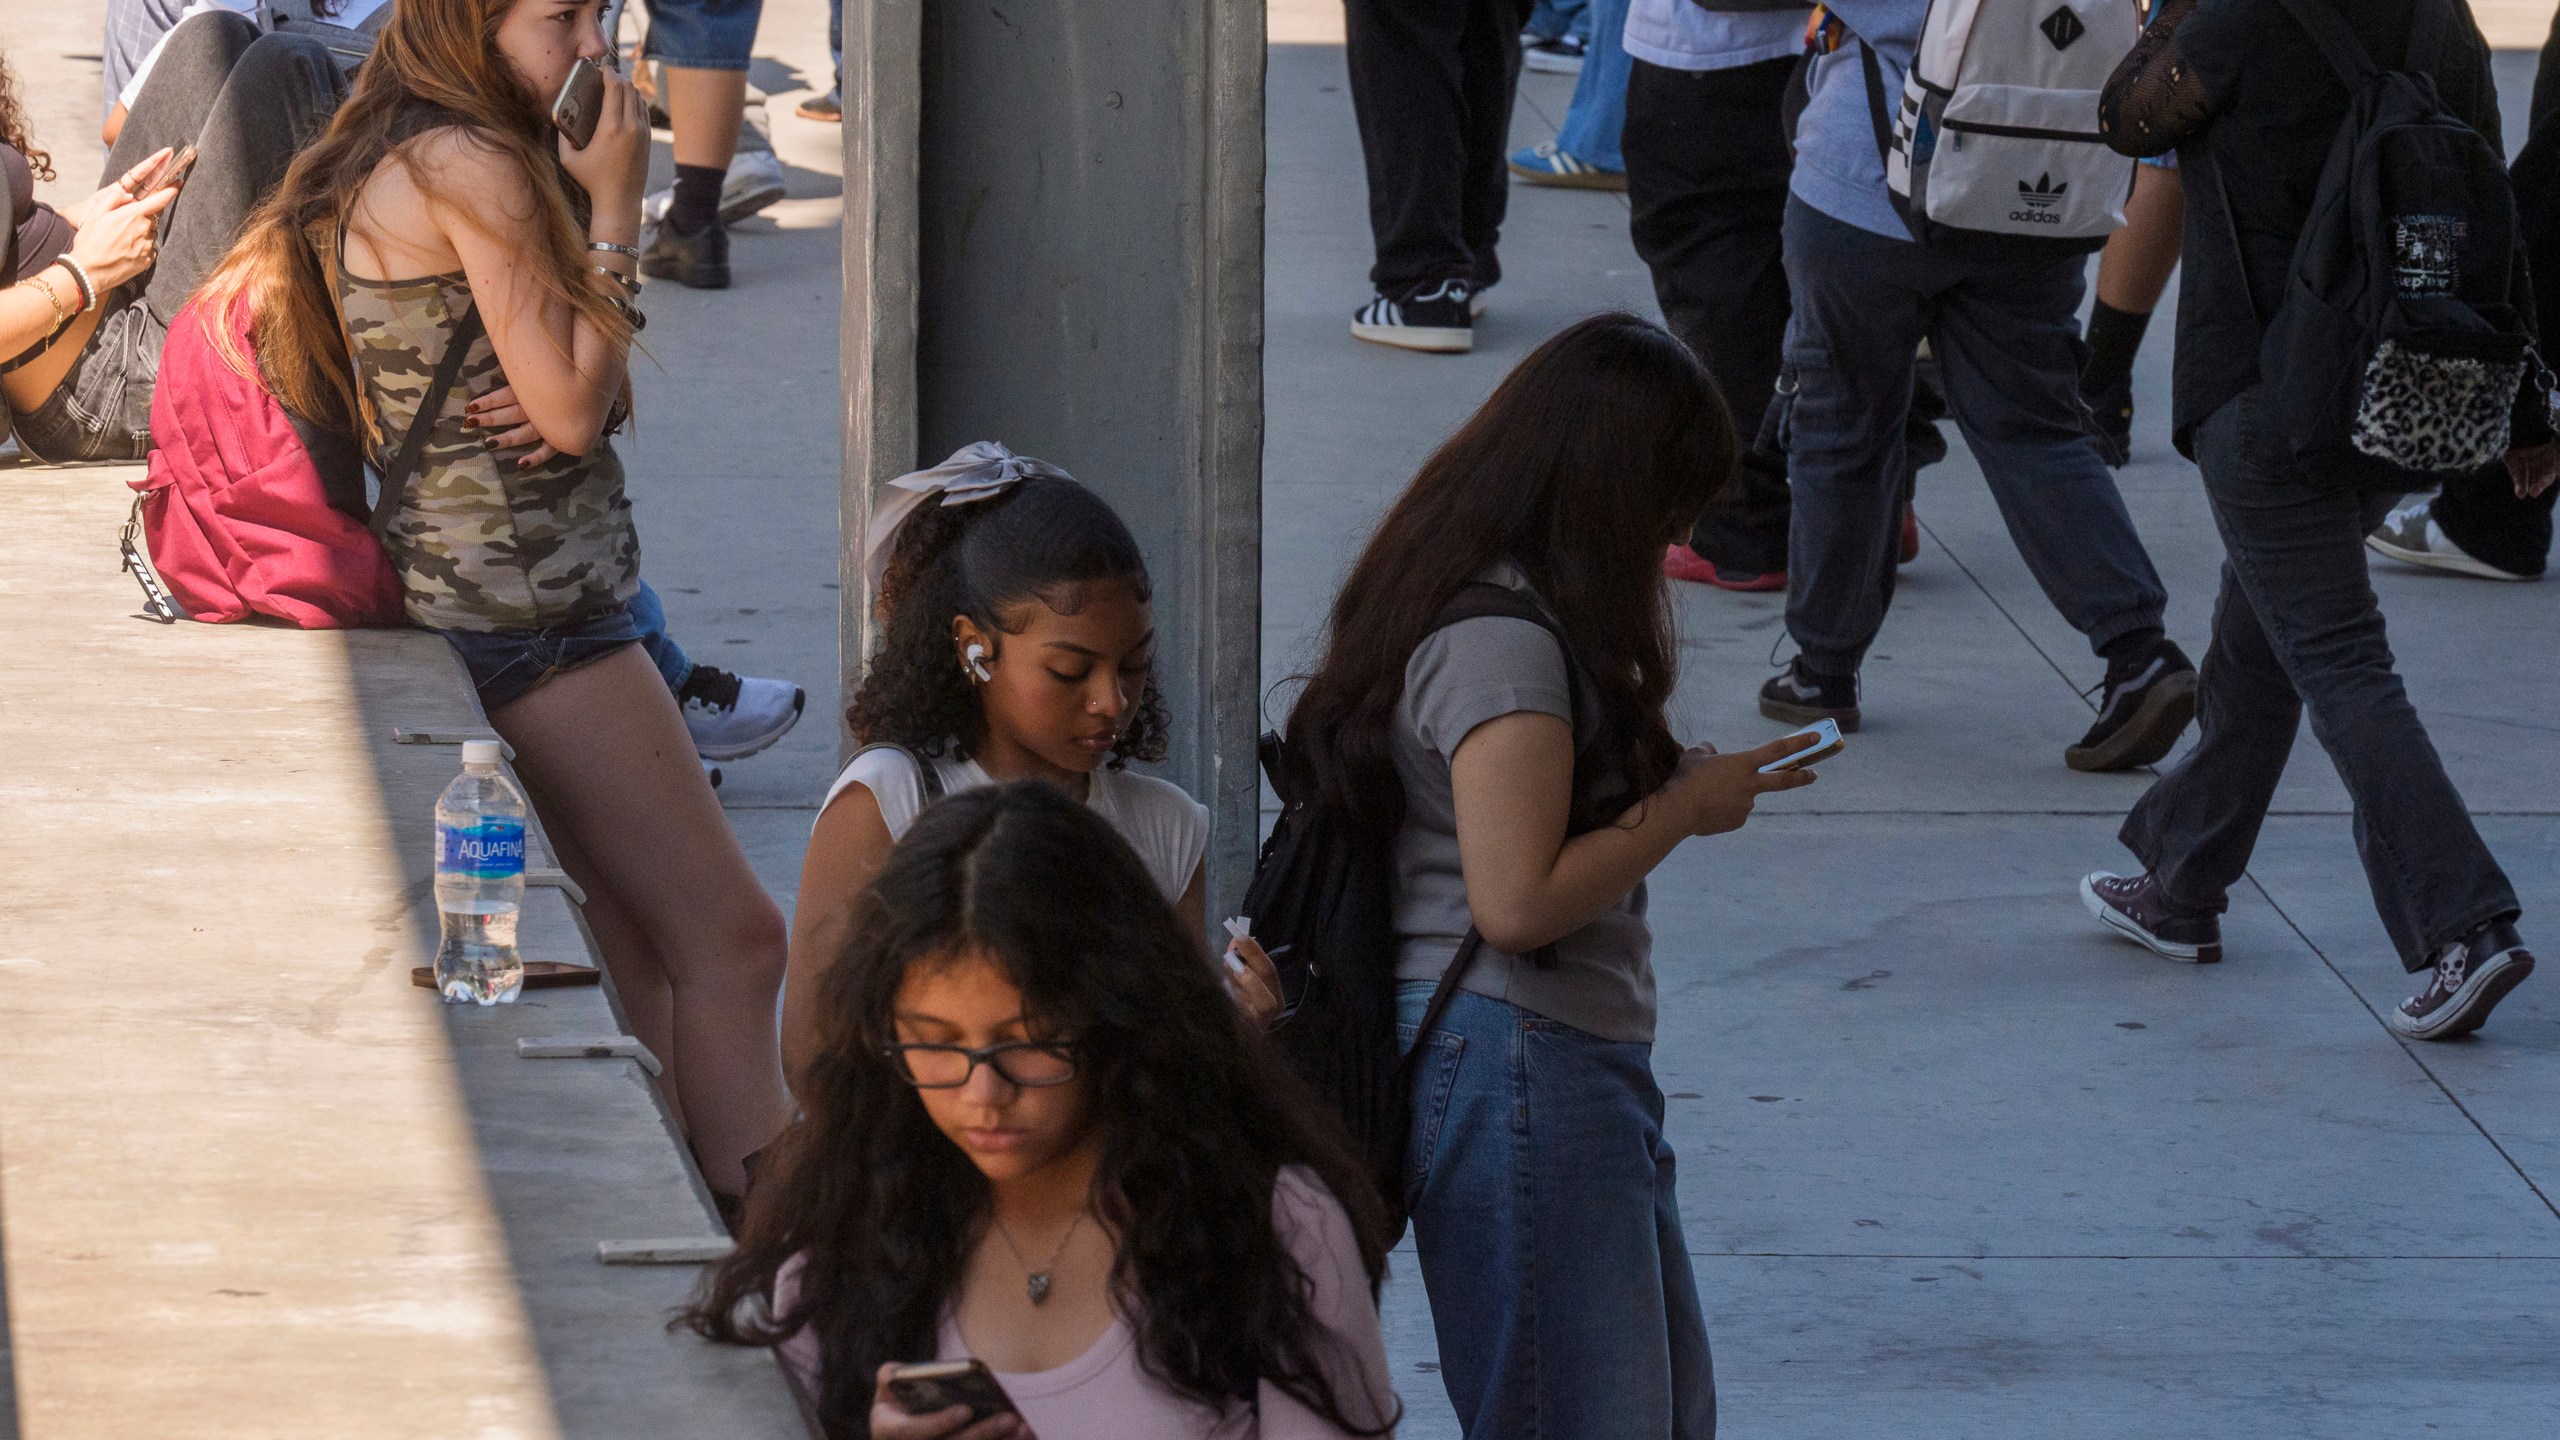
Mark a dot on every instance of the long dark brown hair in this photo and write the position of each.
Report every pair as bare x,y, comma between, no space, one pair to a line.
14,131
1605,444
436,64
1195,1115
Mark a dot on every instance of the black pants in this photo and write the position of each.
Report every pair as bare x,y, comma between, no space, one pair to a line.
1432,83
1707,171
247,103
2297,625
2480,512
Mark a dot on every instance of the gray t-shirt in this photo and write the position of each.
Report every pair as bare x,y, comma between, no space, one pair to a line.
1459,678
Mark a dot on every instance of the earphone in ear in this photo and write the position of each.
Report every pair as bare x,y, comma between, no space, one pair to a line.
976,662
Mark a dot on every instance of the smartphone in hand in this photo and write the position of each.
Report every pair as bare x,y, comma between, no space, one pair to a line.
581,102
1826,745
172,172
930,1389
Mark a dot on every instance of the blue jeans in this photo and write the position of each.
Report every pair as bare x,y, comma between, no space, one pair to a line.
1543,1209
2297,626
2008,348
505,665
649,616
703,34
1598,115
1552,20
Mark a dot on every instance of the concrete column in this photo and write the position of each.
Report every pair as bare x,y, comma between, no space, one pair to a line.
1053,238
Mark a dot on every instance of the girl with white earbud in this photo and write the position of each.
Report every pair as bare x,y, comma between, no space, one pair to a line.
1017,642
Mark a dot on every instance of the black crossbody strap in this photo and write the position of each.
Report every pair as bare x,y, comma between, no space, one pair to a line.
395,481
2337,40
930,777
1878,108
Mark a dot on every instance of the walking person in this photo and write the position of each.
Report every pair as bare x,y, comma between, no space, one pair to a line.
418,224
2252,105
1525,790
1585,153
93,286
1036,1136
1998,313
1432,83
1017,643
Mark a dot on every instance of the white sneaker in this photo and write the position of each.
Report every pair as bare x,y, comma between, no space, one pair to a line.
2411,535
733,716
754,181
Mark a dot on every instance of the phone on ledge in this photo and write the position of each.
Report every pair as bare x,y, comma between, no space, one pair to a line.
1828,745
930,1389
581,102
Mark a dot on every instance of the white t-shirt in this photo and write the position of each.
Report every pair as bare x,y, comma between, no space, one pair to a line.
1168,829
1682,35
350,14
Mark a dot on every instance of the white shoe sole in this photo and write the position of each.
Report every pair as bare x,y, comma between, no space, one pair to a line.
2470,1006
1550,64
1572,180
2116,920
1437,339
2456,564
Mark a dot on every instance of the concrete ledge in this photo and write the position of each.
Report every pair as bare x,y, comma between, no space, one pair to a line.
253,1181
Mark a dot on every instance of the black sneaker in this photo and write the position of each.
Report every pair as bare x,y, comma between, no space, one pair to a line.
2132,906
2469,979
1798,696
2150,697
2111,420
1440,319
699,261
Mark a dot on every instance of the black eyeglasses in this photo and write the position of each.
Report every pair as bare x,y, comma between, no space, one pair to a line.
1032,1064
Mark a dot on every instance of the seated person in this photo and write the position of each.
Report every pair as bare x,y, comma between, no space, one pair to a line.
1038,1134
93,286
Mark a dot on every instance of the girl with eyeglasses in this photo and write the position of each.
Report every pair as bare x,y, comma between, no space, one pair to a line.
1017,643
1037,1134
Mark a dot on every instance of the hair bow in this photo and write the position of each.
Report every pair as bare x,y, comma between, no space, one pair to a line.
981,470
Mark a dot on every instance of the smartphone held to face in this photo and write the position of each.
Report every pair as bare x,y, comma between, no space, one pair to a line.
930,1389
1827,743
581,102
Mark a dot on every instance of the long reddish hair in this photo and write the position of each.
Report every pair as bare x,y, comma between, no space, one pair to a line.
443,56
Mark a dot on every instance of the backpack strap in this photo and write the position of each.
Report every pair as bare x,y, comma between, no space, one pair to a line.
1442,995
2337,40
931,778
395,481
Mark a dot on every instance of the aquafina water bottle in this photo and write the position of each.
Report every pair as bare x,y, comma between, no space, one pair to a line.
479,881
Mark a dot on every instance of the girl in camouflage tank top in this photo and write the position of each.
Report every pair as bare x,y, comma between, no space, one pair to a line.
479,543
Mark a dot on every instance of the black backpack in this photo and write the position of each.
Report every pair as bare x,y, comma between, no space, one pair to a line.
1322,905
2399,338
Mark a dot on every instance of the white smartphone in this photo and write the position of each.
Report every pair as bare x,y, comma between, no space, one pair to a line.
1828,744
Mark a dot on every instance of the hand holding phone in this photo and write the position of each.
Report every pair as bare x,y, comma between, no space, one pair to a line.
1827,743
580,103
944,1400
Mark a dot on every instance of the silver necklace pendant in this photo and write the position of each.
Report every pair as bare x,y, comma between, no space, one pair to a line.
1039,1287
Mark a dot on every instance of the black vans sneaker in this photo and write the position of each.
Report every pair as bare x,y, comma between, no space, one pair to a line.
1440,319
2133,907
2470,977
1798,696
2150,697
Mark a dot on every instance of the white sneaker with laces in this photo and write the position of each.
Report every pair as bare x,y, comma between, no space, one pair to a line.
2411,536
734,716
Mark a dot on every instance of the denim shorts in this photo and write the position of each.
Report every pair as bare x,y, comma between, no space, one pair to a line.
102,408
505,664
703,34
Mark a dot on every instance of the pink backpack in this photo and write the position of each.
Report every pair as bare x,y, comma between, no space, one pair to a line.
247,510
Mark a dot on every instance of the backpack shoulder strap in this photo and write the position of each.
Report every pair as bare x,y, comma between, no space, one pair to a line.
395,481
2337,39
930,777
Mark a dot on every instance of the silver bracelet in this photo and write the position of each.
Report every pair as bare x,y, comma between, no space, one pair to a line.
611,248
79,277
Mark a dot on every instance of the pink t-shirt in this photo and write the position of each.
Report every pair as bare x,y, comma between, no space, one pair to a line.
1104,1395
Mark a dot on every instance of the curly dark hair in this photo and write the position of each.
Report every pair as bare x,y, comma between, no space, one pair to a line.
1047,539
14,132
1195,1114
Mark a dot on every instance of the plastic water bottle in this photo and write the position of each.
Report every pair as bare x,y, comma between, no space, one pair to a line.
479,881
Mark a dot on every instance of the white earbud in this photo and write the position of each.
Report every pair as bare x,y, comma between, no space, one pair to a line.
976,662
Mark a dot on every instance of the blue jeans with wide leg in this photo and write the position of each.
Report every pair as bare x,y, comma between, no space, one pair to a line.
1543,1209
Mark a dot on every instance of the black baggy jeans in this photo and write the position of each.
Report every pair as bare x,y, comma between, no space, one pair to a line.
1707,171
1432,83
2297,624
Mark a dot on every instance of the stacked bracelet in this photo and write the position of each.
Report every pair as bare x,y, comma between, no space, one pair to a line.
611,248
630,284
80,277
52,297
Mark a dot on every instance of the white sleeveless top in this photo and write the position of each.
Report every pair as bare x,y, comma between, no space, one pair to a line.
1168,829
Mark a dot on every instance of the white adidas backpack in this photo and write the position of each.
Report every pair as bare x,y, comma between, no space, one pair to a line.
1998,127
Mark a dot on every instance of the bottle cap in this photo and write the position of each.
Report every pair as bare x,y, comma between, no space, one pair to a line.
480,754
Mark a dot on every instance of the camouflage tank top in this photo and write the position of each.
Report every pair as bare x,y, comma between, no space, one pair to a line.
478,543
